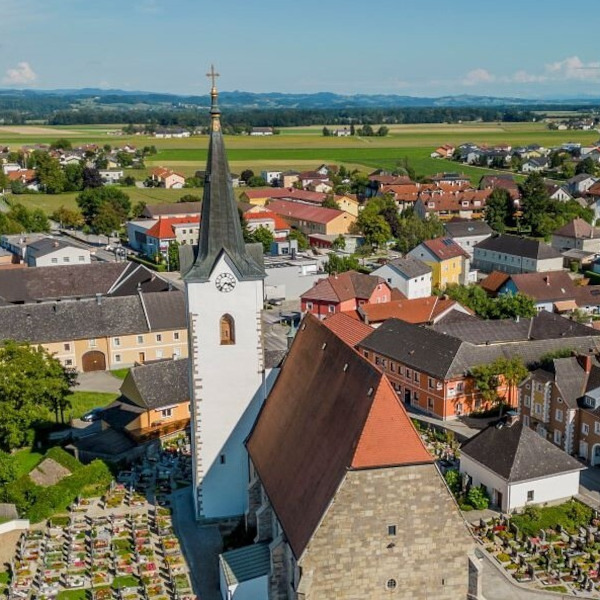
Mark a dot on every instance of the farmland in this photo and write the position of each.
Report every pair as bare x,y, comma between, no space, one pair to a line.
300,148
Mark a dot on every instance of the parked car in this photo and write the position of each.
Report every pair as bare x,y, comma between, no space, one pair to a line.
92,415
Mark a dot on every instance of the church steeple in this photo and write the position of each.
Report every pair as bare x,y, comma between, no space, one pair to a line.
220,229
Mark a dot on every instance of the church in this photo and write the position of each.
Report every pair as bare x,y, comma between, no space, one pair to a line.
319,458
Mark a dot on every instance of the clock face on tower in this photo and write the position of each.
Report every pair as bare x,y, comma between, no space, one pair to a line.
225,282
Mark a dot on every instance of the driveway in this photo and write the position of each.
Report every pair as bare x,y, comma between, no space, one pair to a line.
98,381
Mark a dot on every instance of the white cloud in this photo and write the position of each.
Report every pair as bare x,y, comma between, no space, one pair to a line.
477,76
22,74
574,68
525,77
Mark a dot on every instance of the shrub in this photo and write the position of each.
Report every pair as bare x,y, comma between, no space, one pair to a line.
452,477
63,458
478,498
502,557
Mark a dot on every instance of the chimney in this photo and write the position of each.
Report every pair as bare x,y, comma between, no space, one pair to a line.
98,299
547,279
55,244
512,417
585,360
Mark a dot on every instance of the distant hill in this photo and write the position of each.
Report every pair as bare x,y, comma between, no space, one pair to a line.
276,100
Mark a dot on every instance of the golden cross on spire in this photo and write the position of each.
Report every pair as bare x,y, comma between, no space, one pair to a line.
213,75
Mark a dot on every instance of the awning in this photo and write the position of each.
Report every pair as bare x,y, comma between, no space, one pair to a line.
565,306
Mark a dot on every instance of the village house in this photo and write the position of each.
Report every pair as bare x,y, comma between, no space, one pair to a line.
448,261
49,252
313,219
154,404
409,275
505,181
27,177
517,467
111,176
261,131
167,178
467,234
319,471
578,234
175,210
429,367
260,196
558,192
104,332
445,151
446,205
257,217
535,165
514,254
154,236
344,292
580,184
288,179
271,177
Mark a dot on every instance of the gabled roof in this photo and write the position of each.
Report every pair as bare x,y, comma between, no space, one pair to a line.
415,310
570,379
518,246
47,246
350,330
517,453
163,228
329,411
494,281
546,286
162,383
578,229
409,267
220,228
246,563
444,248
164,210
267,215
287,193
460,229
344,286
305,212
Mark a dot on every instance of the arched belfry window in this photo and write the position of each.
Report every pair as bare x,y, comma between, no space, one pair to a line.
227,330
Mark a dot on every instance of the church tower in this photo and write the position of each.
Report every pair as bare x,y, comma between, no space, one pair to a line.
224,294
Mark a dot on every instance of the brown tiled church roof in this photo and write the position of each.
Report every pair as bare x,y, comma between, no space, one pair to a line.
330,411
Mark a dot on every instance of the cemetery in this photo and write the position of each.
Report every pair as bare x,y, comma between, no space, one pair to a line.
555,548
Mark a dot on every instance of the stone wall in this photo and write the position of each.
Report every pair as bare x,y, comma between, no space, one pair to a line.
354,554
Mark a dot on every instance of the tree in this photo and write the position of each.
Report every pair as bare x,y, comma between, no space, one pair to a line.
91,199
256,181
173,256
67,217
498,209
73,178
330,202
30,378
366,131
339,243
49,173
194,182
587,165
513,372
383,131
478,498
341,264
535,201
4,182
128,181
190,198
61,144
296,234
8,468
31,220
326,132
91,178
138,209
107,220
246,175
264,236
453,480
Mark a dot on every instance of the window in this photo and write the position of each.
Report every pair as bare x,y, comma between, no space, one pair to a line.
331,308
416,376
66,259
54,261
177,353
585,428
166,413
227,326
117,358
81,258
159,354
557,437
140,339
309,306
67,347
93,343
391,584
68,362
116,341
365,354
559,415
430,403
430,383
538,409
530,495
176,336
392,367
159,337
527,400
408,373
460,386
597,427
391,530
526,420
222,459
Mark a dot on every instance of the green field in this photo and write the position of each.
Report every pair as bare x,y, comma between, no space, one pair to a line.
300,148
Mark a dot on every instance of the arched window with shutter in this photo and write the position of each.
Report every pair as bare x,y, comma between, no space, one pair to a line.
227,330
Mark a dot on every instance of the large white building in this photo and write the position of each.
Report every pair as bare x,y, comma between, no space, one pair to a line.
224,291
410,275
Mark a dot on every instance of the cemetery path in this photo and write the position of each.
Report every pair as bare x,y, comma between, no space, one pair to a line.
201,545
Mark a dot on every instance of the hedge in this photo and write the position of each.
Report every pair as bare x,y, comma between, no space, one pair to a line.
63,458
148,263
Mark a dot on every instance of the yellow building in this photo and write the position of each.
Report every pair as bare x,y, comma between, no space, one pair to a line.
348,204
448,261
313,219
105,332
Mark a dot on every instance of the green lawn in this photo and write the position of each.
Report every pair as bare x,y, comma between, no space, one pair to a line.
571,515
125,581
120,373
81,402
26,460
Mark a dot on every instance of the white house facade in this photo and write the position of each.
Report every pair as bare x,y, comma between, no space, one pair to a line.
410,275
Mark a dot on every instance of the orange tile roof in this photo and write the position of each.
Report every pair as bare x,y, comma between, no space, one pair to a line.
343,286
416,310
388,437
494,281
305,212
162,172
444,248
163,228
21,175
348,328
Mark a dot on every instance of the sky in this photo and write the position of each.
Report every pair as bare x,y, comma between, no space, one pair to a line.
519,48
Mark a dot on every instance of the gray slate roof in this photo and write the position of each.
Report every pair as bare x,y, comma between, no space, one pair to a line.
409,267
517,453
570,379
445,356
46,246
245,564
459,229
41,284
518,246
157,384
88,318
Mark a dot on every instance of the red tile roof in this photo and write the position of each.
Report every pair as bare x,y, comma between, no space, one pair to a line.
266,215
444,248
163,173
21,175
494,281
416,310
344,286
305,212
348,328
329,411
163,228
